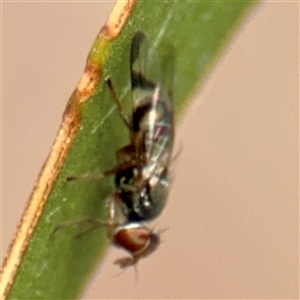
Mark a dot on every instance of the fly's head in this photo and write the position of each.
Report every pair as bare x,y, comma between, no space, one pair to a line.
136,239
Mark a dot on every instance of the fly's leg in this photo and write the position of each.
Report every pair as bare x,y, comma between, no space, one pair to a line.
124,165
125,154
91,222
86,177
92,225
137,138
126,262
96,176
115,215
118,103
124,159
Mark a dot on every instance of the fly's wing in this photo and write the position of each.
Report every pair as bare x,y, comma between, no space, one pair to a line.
152,115
144,67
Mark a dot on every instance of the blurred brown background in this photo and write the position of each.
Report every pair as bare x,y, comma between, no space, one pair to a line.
232,215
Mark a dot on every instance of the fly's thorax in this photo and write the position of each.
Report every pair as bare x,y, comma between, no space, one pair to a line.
152,198
137,239
142,200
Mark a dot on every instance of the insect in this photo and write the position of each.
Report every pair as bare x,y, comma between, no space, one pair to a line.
141,173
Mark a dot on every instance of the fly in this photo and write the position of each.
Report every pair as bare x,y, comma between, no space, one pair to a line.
141,173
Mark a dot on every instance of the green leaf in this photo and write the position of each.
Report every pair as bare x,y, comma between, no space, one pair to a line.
57,267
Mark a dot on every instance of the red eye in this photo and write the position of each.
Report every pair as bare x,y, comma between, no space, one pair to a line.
138,240
132,239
